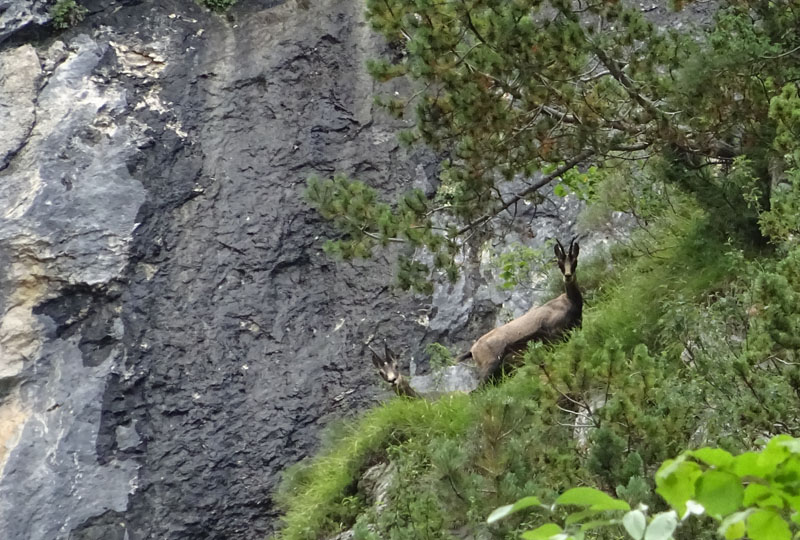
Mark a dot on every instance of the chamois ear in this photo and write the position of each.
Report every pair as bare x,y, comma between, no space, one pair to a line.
559,251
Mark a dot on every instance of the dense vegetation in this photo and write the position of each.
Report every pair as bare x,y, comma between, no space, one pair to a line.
691,335
690,341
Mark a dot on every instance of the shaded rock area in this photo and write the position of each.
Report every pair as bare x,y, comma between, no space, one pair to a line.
18,17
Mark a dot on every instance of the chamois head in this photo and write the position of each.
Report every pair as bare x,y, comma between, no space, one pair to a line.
567,261
387,366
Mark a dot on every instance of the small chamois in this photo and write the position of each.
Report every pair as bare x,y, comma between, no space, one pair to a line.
387,368
542,323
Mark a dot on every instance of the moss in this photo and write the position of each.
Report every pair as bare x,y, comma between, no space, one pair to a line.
312,491
219,6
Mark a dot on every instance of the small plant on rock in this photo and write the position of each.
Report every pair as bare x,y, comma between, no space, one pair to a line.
67,13
218,5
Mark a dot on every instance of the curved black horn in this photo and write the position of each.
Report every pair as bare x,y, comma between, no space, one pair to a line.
376,358
558,247
389,355
573,247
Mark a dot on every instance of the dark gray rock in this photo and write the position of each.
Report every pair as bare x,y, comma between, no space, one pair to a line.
19,15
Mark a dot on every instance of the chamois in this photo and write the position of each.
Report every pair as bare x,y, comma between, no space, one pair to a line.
543,323
387,368
451,379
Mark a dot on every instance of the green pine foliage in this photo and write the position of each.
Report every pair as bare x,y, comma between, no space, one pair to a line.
534,89
690,330
690,341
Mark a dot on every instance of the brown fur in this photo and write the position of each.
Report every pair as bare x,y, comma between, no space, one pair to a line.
543,323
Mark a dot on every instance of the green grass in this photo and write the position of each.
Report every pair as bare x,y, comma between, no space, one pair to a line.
315,493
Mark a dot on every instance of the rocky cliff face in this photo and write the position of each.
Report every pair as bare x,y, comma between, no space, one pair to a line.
172,335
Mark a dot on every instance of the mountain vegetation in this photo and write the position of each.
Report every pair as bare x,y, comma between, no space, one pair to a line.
690,335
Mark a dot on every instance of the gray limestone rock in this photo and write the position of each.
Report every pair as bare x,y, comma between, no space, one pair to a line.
20,76
69,207
455,378
17,15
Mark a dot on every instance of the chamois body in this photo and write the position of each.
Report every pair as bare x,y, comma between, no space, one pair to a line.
542,323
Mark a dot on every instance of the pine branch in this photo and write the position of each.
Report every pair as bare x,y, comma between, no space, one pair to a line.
524,193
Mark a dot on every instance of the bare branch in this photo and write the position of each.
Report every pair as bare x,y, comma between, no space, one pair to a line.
524,193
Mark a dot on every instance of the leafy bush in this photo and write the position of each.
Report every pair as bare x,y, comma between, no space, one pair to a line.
753,494
67,13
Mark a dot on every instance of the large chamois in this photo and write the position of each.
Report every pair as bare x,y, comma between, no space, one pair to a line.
543,323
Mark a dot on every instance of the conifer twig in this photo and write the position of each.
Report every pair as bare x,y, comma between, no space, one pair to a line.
524,193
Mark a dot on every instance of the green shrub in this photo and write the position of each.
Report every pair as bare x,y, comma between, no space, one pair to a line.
67,13
218,5
688,340
754,493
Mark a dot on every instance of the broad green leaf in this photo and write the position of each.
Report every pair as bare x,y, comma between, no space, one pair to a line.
719,492
767,525
670,466
597,523
716,457
773,455
761,496
503,511
596,499
545,532
635,523
748,464
578,517
662,526
791,444
733,526
735,531
675,482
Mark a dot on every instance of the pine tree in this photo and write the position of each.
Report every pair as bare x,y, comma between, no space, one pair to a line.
538,88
